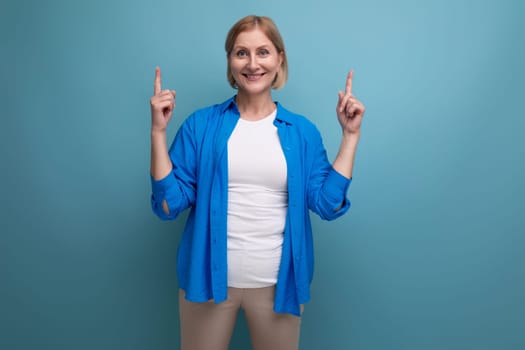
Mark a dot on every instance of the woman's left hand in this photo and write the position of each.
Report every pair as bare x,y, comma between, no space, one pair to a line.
349,109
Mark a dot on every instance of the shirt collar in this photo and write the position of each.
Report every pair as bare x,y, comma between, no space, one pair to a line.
229,103
283,115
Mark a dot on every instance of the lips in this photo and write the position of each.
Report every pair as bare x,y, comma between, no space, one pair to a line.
253,77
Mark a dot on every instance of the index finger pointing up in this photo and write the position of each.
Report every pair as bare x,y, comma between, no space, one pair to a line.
157,86
349,78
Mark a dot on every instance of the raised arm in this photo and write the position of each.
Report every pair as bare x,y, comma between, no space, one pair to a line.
350,113
162,104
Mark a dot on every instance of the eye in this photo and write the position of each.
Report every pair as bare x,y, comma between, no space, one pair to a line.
263,52
241,53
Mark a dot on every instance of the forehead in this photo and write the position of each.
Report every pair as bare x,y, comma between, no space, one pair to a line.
254,37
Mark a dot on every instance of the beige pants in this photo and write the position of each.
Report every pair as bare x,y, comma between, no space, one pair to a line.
209,326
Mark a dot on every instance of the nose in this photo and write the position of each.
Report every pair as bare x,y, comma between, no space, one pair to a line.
252,63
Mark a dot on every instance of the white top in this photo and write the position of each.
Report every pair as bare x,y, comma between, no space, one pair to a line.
257,203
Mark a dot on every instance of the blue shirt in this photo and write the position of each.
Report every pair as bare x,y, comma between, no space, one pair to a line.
199,180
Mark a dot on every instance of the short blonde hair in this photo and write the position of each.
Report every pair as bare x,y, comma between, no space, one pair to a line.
268,27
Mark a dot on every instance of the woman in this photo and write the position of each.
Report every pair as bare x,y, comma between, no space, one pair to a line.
250,171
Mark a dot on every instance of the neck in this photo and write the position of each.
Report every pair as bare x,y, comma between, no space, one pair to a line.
254,107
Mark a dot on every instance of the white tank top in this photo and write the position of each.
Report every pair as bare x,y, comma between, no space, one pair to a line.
257,203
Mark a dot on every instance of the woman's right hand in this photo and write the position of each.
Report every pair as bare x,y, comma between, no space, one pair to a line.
162,105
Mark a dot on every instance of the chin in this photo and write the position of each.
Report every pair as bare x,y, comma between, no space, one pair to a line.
251,88
254,91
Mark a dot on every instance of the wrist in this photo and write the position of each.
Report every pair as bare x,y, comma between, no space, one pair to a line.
352,137
155,133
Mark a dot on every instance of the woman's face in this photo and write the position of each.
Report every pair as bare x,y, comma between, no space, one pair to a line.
254,62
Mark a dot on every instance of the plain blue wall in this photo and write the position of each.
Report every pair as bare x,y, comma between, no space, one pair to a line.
432,253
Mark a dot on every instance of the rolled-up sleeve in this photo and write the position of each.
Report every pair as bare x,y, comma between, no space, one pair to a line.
333,201
178,188
327,189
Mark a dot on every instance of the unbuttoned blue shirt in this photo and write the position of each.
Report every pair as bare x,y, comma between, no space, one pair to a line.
199,181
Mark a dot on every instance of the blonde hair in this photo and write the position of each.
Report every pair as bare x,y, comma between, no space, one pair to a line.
268,27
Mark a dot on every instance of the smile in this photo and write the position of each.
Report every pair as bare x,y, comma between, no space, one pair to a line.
253,77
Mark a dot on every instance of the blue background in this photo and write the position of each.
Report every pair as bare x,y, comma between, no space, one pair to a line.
432,253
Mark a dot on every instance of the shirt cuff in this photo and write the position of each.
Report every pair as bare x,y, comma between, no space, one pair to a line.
336,184
160,186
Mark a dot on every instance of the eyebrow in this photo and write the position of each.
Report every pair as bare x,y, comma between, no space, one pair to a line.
257,48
